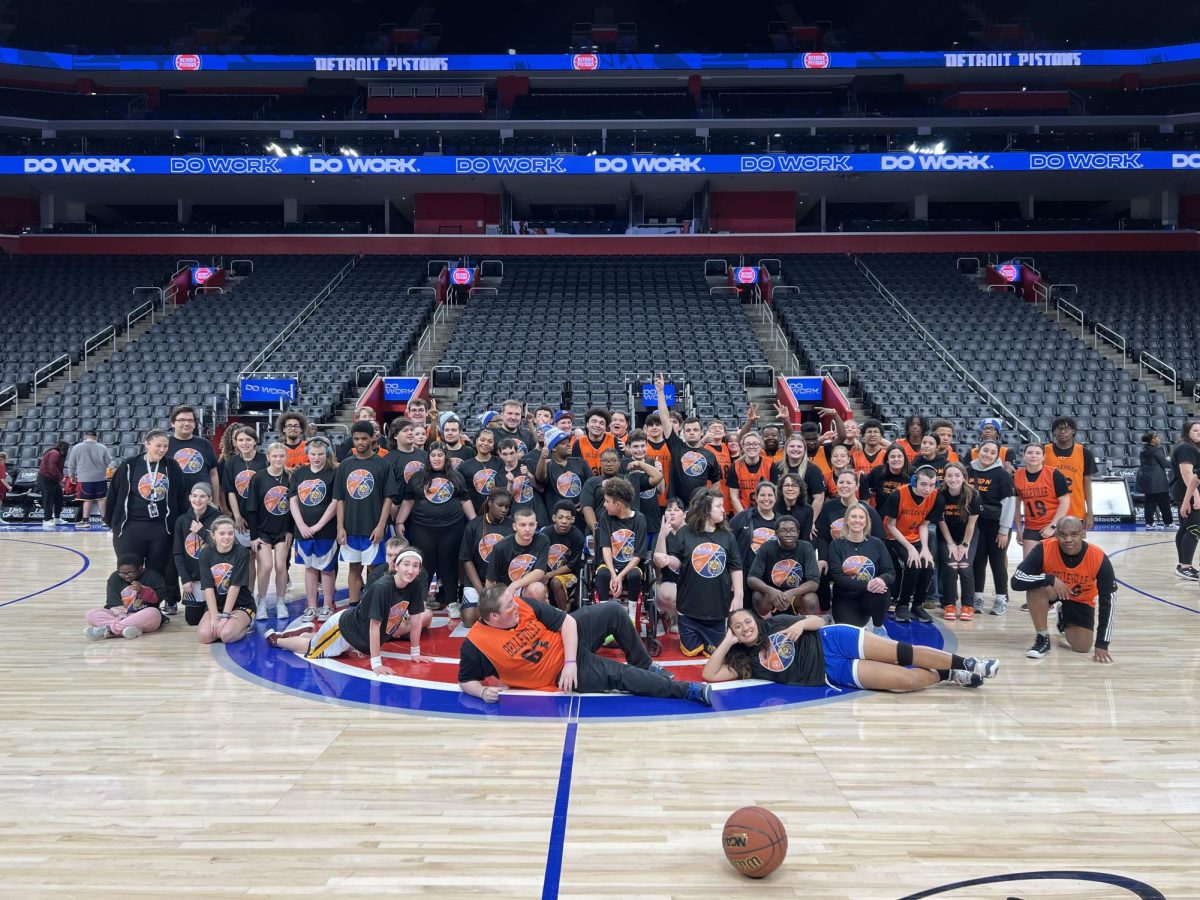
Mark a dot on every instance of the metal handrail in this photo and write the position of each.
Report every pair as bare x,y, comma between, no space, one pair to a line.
440,263
947,357
98,340
962,259
723,291
234,262
489,262
205,289
724,268
780,290
1041,295
181,264
50,371
1071,311
483,290
11,396
830,368
1011,288
1064,286
1112,337
412,364
762,264
1162,369
136,315
377,368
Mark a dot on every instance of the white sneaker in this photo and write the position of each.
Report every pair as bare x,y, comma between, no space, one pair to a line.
261,609
96,632
48,524
454,611
281,610
999,606
131,632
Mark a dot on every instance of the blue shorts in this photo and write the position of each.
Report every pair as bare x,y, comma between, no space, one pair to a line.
316,553
93,490
698,636
359,549
844,647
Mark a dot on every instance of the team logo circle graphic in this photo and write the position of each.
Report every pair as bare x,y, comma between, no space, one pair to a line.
412,468
708,560
359,484
693,463
153,487
189,460
241,483
778,654
275,502
193,544
522,489
861,568
486,544
837,528
129,597
311,492
439,490
222,574
555,555
622,545
484,481
568,485
520,565
787,574
761,536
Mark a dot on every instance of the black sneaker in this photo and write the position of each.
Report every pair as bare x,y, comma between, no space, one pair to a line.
170,609
1188,573
700,692
1041,647
903,615
920,615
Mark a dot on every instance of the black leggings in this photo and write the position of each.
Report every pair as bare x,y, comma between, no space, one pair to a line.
599,673
1161,502
52,497
603,581
951,578
860,608
152,542
912,584
439,546
1188,536
987,553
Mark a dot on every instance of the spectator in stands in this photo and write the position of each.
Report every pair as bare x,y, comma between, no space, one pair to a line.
88,463
225,579
1185,467
240,460
1076,462
293,427
994,485
195,455
1152,480
193,532
131,607
145,498
50,484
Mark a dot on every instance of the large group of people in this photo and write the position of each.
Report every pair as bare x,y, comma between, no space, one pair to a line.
773,552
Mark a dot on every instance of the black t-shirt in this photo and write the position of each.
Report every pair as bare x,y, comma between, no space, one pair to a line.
753,532
481,479
511,561
266,506
437,501
565,549
691,468
801,512
625,538
785,569
119,593
405,464
852,564
994,486
236,474
221,571
564,481
882,484
522,487
188,544
783,661
479,539
814,478
524,439
151,483
1181,453
195,457
645,496
313,491
831,524
386,604
461,454
362,486
708,561
955,513
474,666
593,494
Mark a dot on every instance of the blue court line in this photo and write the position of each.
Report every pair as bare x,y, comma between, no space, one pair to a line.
86,562
558,827
1138,590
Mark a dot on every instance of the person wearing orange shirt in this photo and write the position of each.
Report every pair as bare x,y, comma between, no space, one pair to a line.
915,428
1043,495
943,431
1076,463
906,515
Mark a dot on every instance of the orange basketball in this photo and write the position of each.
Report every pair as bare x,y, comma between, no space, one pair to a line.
754,841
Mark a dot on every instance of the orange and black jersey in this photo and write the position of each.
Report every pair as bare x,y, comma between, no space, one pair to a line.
864,461
591,451
660,456
1076,463
745,478
528,656
910,512
1039,495
1088,573
909,450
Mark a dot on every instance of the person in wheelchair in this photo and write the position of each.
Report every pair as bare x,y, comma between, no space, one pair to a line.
564,559
620,543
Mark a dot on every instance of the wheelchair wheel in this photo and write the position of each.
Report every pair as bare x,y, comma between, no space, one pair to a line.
654,647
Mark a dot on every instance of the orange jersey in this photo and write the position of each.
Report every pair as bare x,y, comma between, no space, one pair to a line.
297,456
1072,469
748,478
1038,497
912,514
529,656
591,453
909,450
725,461
660,458
1081,579
864,462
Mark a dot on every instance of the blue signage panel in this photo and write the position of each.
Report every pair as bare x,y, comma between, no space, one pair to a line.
268,390
1010,272
717,164
399,390
650,396
201,274
462,276
807,388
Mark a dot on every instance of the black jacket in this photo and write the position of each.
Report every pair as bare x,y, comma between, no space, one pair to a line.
1152,473
116,504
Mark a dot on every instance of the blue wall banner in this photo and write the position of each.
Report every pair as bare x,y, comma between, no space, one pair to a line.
807,388
779,163
268,390
650,396
399,390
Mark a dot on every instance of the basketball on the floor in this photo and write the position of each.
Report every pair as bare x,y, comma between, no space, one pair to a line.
754,841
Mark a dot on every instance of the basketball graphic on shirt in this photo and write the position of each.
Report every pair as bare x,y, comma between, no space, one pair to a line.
787,574
708,560
359,484
837,528
555,555
522,448
242,483
693,463
311,492
222,574
130,599
522,489
411,468
648,493
486,544
455,462
397,616
778,654
568,485
152,486
275,501
622,545
189,460
193,544
439,490
484,481
520,565
861,568
760,536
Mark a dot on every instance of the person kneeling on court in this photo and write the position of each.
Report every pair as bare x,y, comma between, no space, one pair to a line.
1067,569
802,650
388,605
534,646
133,595
225,581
